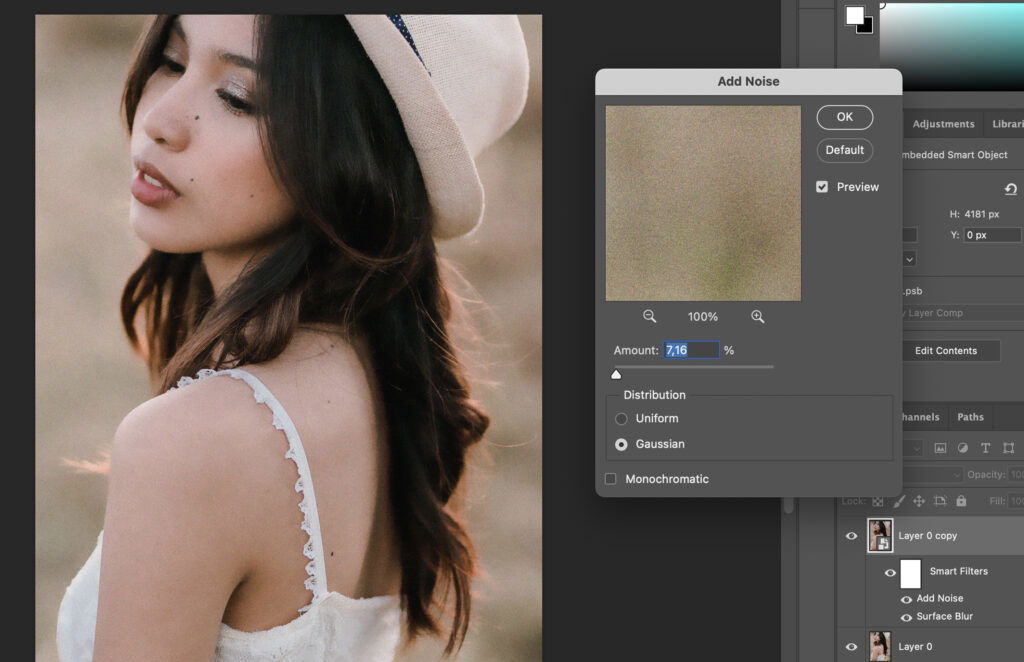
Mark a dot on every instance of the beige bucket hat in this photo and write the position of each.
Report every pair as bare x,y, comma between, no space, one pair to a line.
459,83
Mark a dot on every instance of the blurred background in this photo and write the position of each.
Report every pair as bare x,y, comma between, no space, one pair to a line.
87,379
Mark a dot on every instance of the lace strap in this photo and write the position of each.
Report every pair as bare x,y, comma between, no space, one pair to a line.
316,581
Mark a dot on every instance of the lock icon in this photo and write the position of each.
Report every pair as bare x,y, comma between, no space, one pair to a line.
961,501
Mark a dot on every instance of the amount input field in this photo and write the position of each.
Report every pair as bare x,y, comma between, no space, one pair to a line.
690,349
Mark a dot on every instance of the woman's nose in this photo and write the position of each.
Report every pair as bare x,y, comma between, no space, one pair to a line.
166,118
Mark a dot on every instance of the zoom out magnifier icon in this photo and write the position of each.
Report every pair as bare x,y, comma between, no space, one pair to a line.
649,316
757,316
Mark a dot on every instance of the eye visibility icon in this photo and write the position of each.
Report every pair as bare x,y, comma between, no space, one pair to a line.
757,316
649,316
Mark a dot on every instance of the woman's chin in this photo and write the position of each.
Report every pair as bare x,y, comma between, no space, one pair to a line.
158,233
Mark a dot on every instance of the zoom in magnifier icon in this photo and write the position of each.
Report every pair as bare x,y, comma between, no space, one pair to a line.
757,316
649,316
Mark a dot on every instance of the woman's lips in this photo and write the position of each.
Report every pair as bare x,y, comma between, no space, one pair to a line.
149,193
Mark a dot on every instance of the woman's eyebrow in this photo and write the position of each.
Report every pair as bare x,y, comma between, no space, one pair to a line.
223,56
235,59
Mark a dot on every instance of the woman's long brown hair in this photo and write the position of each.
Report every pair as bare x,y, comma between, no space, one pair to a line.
359,253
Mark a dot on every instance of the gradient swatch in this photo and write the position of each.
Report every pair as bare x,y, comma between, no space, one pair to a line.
954,46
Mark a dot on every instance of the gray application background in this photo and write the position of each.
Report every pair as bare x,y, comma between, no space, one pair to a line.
703,203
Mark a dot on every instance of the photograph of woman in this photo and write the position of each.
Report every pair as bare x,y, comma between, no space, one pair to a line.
299,484
880,535
880,646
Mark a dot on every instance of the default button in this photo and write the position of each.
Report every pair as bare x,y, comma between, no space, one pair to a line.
845,150
845,118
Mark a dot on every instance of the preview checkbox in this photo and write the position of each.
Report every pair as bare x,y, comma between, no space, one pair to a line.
821,186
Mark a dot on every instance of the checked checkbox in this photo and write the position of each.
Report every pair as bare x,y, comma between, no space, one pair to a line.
821,186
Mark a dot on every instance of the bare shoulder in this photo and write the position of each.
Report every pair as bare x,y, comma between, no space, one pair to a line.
200,420
214,435
178,523
199,438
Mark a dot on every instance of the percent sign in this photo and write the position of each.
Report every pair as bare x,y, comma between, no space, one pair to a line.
728,349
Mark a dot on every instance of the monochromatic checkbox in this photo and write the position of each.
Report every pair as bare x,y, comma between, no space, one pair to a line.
821,186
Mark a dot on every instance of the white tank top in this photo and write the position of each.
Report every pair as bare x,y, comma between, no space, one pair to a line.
332,627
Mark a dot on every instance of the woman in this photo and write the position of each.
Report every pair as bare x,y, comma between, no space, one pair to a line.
290,176
879,647
878,531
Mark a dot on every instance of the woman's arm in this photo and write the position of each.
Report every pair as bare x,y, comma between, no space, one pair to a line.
174,531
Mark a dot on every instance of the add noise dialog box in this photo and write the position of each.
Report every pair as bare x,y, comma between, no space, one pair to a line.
748,282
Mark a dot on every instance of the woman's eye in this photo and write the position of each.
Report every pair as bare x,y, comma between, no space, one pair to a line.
235,104
171,65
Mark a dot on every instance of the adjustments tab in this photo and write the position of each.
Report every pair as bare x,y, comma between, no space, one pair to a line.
749,265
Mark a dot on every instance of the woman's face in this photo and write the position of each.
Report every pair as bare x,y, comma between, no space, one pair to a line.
201,182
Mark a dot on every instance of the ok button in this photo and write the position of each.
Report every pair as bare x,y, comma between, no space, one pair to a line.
849,118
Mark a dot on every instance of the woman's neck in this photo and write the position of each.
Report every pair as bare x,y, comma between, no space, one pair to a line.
224,268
